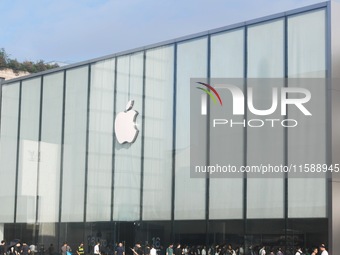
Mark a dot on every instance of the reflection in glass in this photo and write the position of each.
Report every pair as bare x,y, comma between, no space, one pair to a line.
158,134
265,196
8,149
74,145
306,59
127,170
50,149
99,178
29,151
227,61
189,192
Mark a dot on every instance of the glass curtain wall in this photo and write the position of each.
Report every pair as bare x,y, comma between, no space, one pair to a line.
227,61
29,157
265,61
8,149
128,162
306,59
74,153
189,192
157,184
49,151
50,155
99,175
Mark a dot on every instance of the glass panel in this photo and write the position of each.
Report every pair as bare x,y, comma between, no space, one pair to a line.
8,149
127,171
227,54
227,61
74,145
49,165
307,233
99,179
269,233
265,196
222,230
266,50
189,192
306,59
158,134
156,233
190,232
29,151
307,44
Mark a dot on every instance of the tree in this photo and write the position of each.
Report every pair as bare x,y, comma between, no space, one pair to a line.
26,66
14,65
3,58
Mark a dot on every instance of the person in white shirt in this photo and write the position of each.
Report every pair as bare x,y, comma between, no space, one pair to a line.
153,251
323,249
298,251
96,249
262,251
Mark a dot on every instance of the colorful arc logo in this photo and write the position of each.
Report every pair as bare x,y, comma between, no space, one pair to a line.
213,98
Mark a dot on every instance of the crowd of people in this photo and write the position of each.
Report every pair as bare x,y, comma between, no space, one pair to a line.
18,248
225,249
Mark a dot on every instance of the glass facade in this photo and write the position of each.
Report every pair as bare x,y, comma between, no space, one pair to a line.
66,177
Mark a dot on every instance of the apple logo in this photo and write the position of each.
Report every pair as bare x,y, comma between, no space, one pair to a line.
125,124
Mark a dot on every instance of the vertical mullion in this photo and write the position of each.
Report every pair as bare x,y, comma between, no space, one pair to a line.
17,159
113,140
62,155
173,181
245,134
207,182
38,166
142,141
87,141
286,132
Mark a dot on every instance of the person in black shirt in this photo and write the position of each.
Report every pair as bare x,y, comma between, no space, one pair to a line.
50,249
178,250
137,250
3,247
25,250
80,250
120,249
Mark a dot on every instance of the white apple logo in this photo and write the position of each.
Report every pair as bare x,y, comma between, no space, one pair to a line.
125,125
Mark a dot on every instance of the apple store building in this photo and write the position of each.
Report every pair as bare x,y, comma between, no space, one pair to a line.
101,150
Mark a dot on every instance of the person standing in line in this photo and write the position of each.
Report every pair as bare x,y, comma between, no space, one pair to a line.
139,249
25,250
120,249
298,251
251,250
178,250
65,248
33,249
96,249
3,247
169,250
50,249
80,250
323,249
279,252
262,251
153,251
315,251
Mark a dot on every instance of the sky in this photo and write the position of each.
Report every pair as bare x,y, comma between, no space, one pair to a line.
71,31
